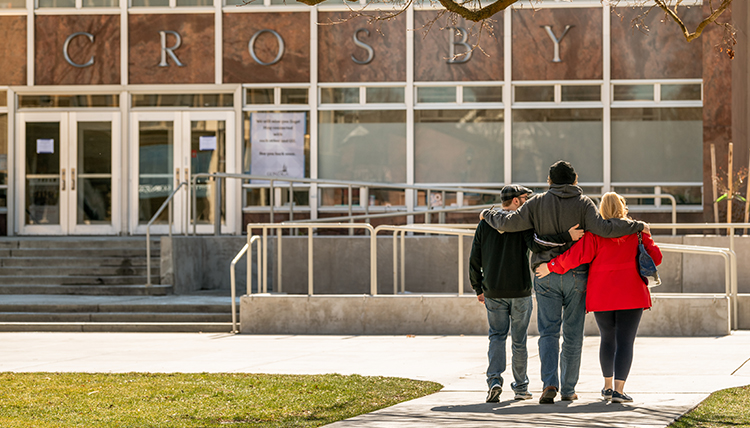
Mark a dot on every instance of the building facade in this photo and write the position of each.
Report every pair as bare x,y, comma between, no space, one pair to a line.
106,106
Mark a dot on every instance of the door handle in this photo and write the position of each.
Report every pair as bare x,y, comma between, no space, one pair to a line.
177,174
62,173
72,179
187,175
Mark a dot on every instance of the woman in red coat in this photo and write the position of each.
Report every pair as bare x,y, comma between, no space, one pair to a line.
615,293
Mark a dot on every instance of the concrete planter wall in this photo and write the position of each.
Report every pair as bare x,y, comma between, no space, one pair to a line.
671,315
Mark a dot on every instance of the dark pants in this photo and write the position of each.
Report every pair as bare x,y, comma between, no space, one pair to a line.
617,329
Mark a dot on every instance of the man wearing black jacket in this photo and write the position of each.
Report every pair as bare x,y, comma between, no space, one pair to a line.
500,276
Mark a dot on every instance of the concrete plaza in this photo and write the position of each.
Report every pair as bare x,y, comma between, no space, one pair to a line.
669,377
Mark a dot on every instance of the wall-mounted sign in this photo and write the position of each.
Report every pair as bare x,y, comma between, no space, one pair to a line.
278,144
45,145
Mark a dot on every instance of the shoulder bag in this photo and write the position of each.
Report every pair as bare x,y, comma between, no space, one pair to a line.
646,266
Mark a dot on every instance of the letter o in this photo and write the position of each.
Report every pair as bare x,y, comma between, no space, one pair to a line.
251,47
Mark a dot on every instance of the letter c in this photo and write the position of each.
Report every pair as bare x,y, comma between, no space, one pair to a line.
67,44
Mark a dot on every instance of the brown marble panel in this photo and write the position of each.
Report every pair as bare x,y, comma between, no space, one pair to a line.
432,49
580,48
13,50
196,51
337,49
659,53
294,65
717,113
50,67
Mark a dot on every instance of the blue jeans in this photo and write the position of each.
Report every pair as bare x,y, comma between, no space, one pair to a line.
561,303
503,315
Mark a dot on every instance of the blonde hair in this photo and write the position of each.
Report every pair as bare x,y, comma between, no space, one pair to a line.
613,206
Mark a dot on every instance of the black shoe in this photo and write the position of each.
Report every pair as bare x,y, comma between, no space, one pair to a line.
621,398
607,394
493,395
548,395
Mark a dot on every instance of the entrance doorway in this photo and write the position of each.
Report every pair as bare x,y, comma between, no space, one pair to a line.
68,180
170,147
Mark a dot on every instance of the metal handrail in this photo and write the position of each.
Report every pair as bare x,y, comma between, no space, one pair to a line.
233,275
425,229
168,201
309,226
730,258
730,269
341,183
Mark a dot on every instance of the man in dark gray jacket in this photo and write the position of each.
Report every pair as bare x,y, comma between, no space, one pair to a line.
560,298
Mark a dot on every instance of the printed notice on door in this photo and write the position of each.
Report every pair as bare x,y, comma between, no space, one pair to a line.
278,144
45,145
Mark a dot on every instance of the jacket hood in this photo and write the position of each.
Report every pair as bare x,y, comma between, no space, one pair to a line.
565,190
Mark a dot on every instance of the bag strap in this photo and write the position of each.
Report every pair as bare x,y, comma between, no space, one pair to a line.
640,240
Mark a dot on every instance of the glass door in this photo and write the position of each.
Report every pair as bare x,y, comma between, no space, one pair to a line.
171,147
67,173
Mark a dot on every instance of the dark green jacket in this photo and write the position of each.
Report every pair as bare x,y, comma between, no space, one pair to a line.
499,264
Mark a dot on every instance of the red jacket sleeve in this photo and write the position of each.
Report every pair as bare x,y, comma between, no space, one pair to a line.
581,252
651,248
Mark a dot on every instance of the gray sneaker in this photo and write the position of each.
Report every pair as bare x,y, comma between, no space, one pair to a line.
525,395
493,395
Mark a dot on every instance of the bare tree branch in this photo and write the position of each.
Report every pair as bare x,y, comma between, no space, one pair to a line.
699,29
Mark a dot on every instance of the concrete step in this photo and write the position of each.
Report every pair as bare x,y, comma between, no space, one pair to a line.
76,280
74,261
67,270
77,252
91,327
116,317
208,312
87,290
76,242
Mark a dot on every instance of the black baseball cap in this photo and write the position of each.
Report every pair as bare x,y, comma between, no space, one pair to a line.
513,191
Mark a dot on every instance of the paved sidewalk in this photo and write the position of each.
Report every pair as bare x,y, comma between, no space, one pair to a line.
669,377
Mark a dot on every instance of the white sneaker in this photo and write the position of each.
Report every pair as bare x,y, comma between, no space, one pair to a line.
526,395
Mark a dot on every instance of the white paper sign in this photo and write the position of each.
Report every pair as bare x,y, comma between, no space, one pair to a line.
207,143
45,145
278,144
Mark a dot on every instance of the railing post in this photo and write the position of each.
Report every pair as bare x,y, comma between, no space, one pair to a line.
403,261
265,262
395,262
441,216
271,202
351,220
309,264
194,199
278,260
217,207
148,257
460,265
373,261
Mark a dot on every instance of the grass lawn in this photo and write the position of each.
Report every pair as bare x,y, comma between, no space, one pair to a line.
195,400
726,408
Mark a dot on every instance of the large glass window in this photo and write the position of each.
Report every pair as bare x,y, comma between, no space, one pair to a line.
458,146
544,136
657,145
363,145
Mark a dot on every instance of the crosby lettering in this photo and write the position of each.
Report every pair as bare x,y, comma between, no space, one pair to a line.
459,49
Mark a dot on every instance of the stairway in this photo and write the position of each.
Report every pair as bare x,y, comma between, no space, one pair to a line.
96,284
